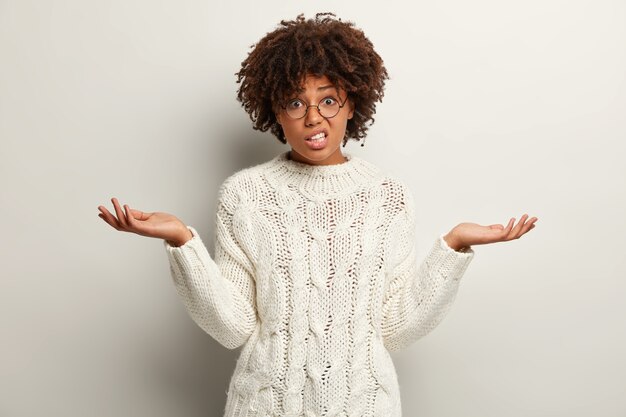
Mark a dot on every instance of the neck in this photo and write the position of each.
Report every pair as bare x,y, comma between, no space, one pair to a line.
303,160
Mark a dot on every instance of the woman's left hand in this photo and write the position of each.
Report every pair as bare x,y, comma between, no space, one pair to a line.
468,234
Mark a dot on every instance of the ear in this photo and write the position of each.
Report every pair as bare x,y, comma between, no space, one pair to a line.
350,108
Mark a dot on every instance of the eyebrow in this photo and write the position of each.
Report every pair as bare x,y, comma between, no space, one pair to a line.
321,88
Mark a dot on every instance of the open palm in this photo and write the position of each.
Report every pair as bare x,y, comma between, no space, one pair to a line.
158,224
468,234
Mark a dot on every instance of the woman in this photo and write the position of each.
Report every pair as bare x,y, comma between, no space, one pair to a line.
315,270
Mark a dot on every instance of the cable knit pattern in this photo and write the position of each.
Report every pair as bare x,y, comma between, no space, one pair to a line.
315,275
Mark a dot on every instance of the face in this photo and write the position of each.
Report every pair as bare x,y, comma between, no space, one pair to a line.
298,131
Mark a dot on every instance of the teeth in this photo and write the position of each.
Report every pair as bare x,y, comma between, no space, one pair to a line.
319,136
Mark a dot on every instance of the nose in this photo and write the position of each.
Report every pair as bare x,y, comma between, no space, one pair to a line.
313,116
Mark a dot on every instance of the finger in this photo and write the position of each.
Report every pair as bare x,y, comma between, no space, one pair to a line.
138,215
120,215
109,218
507,229
103,218
129,217
528,226
516,232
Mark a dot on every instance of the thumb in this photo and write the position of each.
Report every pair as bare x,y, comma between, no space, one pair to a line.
138,214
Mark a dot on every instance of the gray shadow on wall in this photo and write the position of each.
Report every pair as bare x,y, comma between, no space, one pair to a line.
196,377
200,373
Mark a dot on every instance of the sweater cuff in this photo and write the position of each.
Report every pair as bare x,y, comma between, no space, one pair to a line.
452,263
444,245
195,237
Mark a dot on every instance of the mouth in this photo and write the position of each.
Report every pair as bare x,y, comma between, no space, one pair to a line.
317,136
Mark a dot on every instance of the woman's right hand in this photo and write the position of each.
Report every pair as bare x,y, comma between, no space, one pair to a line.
159,225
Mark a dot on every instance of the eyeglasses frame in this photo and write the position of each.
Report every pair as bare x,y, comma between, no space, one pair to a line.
317,106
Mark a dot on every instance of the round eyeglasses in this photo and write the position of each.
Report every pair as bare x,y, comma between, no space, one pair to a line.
328,107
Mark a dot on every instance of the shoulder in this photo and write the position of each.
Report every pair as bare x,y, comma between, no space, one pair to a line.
391,187
396,185
399,194
379,176
385,178
240,186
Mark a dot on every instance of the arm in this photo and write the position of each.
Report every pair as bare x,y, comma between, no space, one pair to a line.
417,297
219,294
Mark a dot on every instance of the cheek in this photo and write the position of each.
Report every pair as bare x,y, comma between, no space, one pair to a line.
341,124
290,132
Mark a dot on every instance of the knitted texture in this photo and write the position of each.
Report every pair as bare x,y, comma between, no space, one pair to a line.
315,274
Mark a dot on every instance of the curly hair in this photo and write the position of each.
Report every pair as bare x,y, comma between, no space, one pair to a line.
280,61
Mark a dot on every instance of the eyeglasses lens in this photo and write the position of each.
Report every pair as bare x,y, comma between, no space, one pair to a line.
328,107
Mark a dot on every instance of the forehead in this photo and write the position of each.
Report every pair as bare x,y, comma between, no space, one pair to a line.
314,81
312,84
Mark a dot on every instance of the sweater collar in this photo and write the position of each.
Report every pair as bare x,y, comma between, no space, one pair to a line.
321,181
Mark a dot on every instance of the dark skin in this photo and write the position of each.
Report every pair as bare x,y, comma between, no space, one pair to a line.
157,224
168,227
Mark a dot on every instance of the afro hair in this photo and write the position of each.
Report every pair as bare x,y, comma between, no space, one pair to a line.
278,63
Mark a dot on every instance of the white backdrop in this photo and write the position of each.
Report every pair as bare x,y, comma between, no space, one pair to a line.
494,109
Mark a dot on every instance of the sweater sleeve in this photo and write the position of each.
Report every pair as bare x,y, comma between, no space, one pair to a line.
219,294
417,296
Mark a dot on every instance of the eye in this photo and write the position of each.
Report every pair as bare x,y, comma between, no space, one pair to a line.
294,104
328,101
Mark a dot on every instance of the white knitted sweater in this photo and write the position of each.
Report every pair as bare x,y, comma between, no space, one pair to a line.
315,273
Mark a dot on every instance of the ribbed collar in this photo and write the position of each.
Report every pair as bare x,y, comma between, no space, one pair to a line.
321,181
